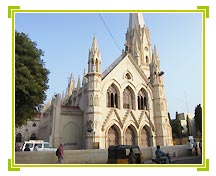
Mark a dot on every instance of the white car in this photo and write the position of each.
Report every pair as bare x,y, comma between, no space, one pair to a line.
41,145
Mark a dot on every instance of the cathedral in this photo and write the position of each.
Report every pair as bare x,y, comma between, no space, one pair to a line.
124,104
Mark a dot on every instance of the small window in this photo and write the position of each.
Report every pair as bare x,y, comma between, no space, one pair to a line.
128,76
30,145
46,146
34,124
147,60
39,145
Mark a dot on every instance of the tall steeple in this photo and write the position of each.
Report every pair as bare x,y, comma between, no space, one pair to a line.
136,19
138,43
93,109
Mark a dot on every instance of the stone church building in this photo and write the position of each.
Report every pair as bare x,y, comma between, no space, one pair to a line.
125,104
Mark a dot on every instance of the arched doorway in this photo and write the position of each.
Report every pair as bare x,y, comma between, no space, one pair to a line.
33,136
130,137
19,137
145,137
113,136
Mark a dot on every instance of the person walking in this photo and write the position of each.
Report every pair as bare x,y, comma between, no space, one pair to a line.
189,146
35,148
200,146
195,147
60,154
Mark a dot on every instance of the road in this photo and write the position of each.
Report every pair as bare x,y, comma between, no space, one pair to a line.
189,160
182,160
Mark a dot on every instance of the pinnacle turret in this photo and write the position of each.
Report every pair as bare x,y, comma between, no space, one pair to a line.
94,61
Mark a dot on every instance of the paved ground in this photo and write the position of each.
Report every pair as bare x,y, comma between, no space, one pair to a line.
182,160
189,160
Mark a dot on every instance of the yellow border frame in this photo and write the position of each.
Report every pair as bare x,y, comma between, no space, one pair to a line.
200,167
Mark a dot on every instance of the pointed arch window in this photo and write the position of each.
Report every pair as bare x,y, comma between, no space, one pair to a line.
112,97
92,65
142,100
128,98
97,65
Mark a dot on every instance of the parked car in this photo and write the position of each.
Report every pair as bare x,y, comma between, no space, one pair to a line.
119,154
42,145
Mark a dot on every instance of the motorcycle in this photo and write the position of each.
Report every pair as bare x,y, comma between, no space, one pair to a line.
158,160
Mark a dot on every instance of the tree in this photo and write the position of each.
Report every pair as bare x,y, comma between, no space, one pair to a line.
188,126
176,127
198,118
31,78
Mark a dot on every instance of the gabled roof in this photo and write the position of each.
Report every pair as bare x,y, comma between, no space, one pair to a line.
113,65
118,60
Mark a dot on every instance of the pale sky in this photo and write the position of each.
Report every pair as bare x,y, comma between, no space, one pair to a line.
66,39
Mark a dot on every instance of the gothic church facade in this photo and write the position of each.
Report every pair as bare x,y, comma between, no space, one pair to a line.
125,104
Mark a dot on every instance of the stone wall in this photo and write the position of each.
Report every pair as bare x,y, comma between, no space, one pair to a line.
92,156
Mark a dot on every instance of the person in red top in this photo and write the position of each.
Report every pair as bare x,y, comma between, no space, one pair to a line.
60,154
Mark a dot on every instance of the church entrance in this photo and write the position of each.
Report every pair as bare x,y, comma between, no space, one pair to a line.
145,137
130,136
113,136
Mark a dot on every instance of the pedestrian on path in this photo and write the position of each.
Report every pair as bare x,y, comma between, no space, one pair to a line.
35,148
60,154
200,146
189,146
195,147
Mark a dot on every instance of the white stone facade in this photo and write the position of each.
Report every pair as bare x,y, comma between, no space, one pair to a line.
125,104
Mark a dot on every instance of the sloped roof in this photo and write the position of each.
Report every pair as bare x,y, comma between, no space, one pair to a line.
113,65
118,60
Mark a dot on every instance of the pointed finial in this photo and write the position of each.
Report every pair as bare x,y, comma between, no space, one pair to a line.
78,83
84,78
136,19
94,43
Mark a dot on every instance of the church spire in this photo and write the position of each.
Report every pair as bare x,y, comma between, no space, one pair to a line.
84,77
71,85
78,83
136,19
94,61
94,44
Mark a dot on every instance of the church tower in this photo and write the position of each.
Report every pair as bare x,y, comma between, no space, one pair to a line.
93,109
163,128
138,42
138,45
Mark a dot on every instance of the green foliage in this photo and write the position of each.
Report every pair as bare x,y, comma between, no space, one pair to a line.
189,133
198,118
31,79
176,127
